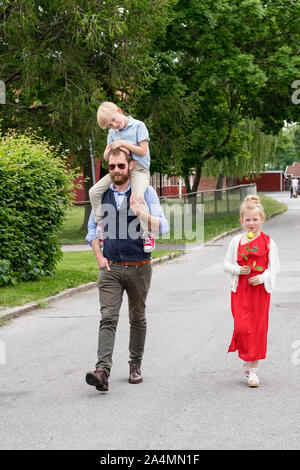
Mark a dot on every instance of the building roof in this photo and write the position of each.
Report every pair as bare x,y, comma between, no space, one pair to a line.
293,170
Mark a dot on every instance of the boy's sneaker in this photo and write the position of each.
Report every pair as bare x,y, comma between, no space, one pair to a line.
100,233
149,241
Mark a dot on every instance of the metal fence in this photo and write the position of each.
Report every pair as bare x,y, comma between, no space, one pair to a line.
217,203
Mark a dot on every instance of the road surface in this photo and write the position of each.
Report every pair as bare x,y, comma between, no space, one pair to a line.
194,395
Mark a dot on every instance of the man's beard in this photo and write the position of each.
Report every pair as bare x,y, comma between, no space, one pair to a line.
119,179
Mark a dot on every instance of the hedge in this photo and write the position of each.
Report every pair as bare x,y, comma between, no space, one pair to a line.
36,189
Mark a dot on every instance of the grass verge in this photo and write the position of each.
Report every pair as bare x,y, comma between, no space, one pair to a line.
213,228
76,268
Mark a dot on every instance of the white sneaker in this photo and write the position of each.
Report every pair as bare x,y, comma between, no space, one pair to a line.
253,378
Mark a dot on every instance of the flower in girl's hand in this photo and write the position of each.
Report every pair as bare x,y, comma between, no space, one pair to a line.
250,236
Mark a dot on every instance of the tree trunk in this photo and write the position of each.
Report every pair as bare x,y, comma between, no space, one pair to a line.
194,188
219,186
191,190
231,181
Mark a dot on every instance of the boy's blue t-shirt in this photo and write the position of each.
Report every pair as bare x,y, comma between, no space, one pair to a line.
134,132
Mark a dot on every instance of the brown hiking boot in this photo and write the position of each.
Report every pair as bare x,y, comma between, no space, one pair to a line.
135,375
98,379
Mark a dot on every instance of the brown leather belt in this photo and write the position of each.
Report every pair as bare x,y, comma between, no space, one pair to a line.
131,263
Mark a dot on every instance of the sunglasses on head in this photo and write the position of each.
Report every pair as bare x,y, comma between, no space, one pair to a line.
121,166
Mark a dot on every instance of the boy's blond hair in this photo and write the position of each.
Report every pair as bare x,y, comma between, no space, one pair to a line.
252,202
105,113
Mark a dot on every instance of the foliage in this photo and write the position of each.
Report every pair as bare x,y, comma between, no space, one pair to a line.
287,150
61,59
36,188
221,63
193,70
256,150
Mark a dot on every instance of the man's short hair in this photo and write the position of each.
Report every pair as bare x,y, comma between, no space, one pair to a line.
117,152
105,113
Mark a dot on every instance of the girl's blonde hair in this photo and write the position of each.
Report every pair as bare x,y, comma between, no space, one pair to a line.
105,113
252,202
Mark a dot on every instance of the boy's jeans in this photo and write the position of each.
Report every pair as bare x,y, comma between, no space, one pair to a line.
136,281
139,180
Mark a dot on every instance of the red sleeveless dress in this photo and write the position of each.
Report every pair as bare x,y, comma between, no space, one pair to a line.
250,304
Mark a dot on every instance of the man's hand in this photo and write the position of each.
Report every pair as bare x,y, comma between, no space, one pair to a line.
254,281
245,270
136,203
103,263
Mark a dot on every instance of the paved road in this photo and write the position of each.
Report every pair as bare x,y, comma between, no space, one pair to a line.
194,395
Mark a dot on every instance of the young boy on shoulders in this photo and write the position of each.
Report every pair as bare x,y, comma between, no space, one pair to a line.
132,136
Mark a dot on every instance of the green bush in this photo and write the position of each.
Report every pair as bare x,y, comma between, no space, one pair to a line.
35,190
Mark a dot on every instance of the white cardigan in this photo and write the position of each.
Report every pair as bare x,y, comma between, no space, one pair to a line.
232,267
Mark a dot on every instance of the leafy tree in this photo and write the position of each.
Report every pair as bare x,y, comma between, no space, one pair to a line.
286,151
222,62
257,149
296,140
60,59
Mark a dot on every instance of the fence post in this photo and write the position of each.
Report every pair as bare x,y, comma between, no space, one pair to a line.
216,207
227,201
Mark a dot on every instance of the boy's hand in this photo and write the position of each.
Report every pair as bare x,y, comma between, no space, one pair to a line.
254,281
107,149
125,149
117,144
245,270
136,204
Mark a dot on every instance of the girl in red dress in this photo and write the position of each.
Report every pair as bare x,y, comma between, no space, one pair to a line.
252,260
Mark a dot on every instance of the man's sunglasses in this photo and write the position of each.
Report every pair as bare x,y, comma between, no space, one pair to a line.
121,166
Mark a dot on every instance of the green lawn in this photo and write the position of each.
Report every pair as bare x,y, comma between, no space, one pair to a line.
76,268
71,233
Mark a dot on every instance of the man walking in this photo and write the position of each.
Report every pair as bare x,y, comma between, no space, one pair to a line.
124,265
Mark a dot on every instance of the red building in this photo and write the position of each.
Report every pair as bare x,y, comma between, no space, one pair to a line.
293,171
79,192
272,180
